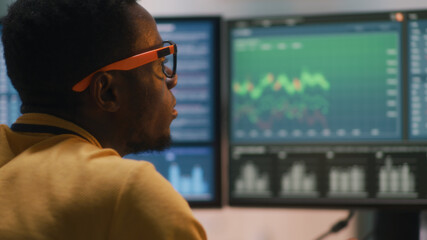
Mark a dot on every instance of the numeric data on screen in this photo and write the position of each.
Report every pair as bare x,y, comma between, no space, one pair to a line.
417,54
305,83
195,89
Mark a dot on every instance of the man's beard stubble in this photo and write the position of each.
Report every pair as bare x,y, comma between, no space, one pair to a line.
159,144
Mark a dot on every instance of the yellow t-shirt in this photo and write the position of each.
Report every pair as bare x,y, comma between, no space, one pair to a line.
68,187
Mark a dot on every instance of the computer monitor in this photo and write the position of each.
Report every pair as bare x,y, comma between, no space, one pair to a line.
192,164
324,113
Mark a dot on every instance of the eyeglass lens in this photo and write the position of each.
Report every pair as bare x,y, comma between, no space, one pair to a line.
168,64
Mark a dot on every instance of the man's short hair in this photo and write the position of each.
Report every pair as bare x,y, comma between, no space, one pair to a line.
49,45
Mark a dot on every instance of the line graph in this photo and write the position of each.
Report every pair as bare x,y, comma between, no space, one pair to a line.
283,97
291,87
330,86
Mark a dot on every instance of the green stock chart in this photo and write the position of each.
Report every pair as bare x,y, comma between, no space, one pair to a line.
321,87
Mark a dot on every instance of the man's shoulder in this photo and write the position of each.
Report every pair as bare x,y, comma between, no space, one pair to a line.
88,157
75,159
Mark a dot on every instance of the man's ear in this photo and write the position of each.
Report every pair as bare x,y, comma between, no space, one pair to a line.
104,91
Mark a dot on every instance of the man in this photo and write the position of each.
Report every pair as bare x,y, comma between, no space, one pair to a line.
94,87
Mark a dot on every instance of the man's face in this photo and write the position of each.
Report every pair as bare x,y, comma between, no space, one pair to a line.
150,101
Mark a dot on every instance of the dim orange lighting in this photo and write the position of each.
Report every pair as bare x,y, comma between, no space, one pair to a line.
399,17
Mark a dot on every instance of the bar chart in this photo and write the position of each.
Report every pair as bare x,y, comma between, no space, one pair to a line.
298,181
188,184
186,168
396,179
252,181
347,181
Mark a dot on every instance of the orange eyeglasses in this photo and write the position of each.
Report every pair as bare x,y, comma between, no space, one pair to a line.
169,49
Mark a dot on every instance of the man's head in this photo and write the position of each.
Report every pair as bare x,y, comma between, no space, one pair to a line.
51,45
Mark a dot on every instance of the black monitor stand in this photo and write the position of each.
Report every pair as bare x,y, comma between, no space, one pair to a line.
391,224
397,224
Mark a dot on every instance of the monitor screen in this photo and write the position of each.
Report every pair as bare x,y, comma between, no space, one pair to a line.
192,163
323,112
9,98
316,82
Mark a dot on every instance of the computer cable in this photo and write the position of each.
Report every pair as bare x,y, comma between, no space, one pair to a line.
338,226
